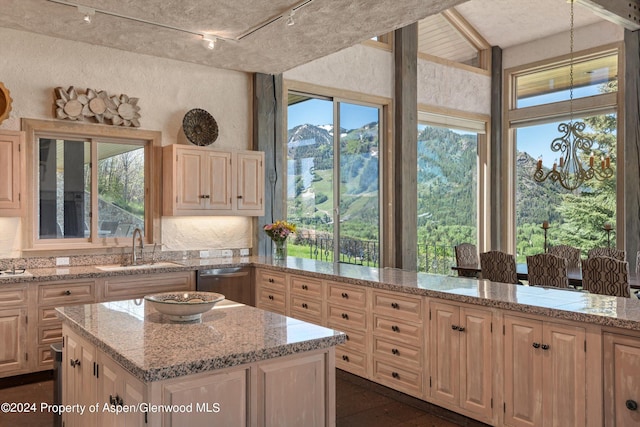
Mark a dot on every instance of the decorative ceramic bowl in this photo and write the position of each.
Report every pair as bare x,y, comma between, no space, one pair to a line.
184,306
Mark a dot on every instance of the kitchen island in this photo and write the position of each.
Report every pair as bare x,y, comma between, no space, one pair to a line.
126,364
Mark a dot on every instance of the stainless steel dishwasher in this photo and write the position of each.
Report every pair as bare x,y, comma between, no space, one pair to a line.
233,282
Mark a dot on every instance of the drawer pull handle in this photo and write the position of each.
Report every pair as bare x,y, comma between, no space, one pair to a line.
395,351
395,375
395,305
536,345
455,327
67,292
304,305
631,405
345,357
270,280
345,295
345,316
305,287
545,346
395,328
271,297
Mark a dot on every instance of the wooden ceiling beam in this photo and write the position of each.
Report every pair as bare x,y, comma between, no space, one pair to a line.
621,12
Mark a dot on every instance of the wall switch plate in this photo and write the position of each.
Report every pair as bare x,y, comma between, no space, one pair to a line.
204,254
62,260
227,253
244,252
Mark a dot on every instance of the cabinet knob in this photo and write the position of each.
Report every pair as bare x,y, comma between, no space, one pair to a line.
454,327
74,363
395,375
460,328
345,357
631,405
536,345
346,337
395,328
395,305
345,316
545,346
67,292
304,305
345,295
271,297
239,197
395,351
270,280
305,287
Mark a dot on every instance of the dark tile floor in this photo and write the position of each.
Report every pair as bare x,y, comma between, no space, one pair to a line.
359,403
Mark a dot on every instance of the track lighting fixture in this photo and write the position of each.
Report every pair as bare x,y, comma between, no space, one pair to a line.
87,12
290,21
209,42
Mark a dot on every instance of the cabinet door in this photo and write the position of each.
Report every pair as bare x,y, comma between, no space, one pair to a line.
445,355
218,166
250,182
79,379
190,180
10,171
564,374
107,390
476,361
13,330
293,391
70,382
621,380
522,372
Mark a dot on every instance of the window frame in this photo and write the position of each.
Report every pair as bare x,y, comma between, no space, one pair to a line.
547,113
35,129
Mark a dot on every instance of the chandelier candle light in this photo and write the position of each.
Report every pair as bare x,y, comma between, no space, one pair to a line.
570,173
279,231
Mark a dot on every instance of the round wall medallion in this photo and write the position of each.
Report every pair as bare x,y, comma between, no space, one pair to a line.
5,103
200,127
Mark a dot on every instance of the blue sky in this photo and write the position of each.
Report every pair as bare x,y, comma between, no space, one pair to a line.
320,112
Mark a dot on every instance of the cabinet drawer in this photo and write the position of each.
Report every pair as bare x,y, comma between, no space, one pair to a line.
271,279
396,330
401,306
271,300
306,307
66,293
355,340
351,361
339,317
13,296
47,314
49,334
120,288
402,353
400,378
45,359
304,286
352,296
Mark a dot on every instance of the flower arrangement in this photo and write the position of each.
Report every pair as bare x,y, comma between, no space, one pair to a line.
279,230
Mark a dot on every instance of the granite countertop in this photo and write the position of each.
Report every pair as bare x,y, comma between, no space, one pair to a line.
562,304
153,348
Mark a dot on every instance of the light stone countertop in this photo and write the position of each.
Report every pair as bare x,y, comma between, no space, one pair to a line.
562,304
153,348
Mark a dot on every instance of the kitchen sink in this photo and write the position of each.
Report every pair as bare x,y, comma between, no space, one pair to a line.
119,267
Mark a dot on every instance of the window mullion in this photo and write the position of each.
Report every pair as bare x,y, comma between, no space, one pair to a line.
336,180
93,207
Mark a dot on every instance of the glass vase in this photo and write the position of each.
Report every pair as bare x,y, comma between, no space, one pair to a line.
279,249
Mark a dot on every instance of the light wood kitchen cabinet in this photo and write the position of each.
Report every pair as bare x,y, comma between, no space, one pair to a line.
202,181
544,373
13,330
137,286
460,347
621,379
306,299
79,373
398,341
12,170
117,388
346,312
271,291
49,327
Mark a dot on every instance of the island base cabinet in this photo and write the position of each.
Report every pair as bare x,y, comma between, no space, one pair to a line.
621,380
117,390
292,391
212,400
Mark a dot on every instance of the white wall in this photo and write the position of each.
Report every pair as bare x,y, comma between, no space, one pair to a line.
31,66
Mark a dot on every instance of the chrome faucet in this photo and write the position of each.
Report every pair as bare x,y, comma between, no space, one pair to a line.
134,257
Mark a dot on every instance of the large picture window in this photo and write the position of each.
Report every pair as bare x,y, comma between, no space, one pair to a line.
333,179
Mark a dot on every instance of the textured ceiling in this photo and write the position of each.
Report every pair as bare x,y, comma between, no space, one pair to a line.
321,26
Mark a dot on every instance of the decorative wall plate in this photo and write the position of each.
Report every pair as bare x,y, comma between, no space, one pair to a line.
5,103
200,127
